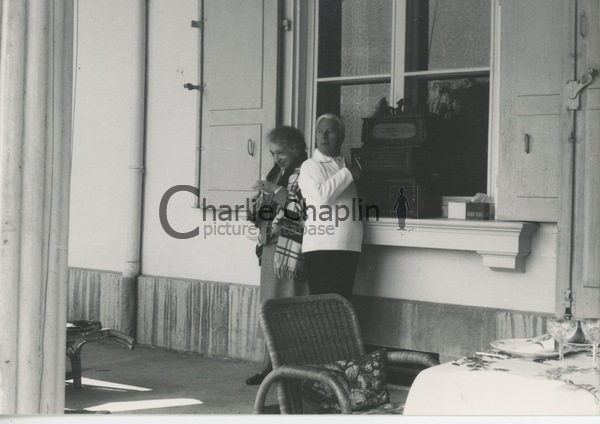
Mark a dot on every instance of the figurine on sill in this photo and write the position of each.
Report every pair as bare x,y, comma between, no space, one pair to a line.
402,207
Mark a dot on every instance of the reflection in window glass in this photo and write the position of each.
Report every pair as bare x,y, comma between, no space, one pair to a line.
447,34
463,103
352,103
355,37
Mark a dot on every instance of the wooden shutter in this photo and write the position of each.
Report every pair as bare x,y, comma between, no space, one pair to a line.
239,100
585,275
534,67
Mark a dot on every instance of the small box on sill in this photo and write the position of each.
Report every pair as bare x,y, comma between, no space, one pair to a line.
457,210
478,211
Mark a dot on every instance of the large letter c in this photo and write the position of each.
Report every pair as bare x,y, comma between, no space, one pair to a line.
162,211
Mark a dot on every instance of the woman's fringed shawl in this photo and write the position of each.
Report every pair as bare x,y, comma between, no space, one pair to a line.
287,225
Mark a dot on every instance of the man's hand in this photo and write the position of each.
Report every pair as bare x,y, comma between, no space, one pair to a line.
356,173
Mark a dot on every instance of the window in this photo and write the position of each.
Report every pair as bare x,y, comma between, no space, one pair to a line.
354,65
434,53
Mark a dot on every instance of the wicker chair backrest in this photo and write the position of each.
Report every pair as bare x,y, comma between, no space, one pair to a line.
306,330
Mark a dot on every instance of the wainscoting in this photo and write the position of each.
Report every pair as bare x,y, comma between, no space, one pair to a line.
212,318
94,295
220,319
452,331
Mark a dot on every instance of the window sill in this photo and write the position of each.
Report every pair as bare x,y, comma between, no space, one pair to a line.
504,245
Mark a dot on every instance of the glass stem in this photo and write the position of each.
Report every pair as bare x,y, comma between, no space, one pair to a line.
560,353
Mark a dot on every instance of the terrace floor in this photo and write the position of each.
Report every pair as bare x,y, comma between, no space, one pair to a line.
149,380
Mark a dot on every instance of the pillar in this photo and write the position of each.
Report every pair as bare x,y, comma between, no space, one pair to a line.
35,153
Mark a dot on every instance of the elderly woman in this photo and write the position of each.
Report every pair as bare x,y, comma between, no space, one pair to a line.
279,215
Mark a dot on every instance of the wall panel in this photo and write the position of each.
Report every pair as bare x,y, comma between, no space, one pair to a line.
218,319
93,295
452,331
208,317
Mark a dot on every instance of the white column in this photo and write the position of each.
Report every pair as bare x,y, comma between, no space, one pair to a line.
35,158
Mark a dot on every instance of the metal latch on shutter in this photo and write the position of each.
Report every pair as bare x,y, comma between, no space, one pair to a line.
191,86
574,87
286,24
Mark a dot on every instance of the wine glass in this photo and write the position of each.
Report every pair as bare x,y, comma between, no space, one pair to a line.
591,329
562,330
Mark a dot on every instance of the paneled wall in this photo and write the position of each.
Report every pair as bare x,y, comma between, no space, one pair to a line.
93,295
450,330
208,317
219,319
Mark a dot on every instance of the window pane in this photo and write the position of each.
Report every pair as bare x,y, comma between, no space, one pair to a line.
463,103
352,103
355,37
447,34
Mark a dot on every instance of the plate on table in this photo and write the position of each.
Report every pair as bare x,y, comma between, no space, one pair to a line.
528,348
584,344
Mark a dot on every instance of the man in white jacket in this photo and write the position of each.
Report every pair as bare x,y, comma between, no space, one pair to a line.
329,189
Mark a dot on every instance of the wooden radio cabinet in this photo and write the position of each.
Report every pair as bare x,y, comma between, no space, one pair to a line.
401,151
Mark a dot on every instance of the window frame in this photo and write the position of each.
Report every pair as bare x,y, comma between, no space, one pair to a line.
481,237
397,75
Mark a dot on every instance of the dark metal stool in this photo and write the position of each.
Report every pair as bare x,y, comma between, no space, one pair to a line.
81,332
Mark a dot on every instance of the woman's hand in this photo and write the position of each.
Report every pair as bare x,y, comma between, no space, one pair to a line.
266,186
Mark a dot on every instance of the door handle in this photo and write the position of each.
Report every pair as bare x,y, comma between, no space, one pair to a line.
526,140
250,147
191,87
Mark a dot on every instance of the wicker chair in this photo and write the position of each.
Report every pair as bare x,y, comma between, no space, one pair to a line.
315,329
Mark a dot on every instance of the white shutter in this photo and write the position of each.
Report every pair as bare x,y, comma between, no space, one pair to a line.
239,99
534,67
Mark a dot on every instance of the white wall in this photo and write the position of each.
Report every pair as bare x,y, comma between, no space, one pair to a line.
100,168
171,134
457,277
104,102
102,126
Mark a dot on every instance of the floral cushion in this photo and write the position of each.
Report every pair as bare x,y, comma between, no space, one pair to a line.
364,380
388,409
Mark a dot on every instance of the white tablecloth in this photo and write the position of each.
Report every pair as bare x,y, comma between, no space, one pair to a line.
486,385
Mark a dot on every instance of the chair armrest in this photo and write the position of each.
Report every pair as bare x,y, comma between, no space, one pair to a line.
412,358
301,372
121,338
